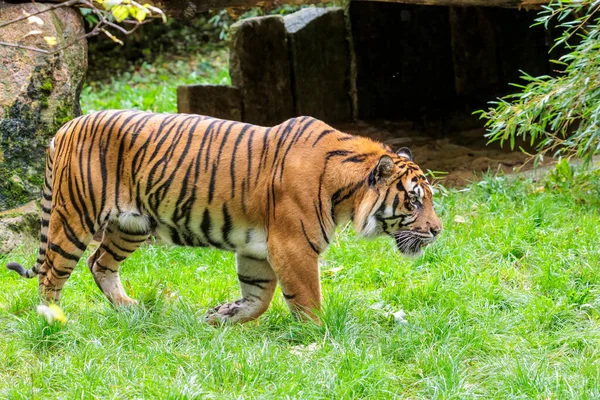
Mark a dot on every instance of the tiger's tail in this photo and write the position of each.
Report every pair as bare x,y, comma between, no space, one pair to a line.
45,221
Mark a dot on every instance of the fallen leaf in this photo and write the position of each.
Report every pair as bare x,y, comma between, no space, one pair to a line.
333,271
32,33
459,219
52,313
399,317
35,20
302,350
51,40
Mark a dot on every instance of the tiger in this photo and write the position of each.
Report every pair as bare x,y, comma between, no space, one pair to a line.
273,195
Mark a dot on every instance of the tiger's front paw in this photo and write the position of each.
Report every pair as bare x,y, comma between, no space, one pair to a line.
223,313
242,310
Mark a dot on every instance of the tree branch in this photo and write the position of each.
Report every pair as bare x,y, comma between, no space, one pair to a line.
103,22
50,8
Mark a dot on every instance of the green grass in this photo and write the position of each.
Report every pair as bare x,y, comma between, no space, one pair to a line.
153,87
504,305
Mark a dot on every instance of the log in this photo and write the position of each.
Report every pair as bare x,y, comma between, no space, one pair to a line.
188,8
470,3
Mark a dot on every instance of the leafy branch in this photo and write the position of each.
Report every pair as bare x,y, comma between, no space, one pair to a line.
105,16
558,115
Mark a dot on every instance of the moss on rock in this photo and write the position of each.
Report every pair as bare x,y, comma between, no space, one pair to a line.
38,94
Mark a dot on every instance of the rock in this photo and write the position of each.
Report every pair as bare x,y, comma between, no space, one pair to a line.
259,66
320,58
19,226
38,94
217,101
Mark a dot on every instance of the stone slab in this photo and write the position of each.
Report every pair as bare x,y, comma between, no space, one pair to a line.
260,67
217,101
320,57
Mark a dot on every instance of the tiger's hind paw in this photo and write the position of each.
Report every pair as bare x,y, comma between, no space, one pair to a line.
123,301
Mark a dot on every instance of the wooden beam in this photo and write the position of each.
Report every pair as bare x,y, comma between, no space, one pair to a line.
471,3
189,8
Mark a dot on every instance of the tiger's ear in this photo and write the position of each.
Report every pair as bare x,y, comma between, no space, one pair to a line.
382,171
405,152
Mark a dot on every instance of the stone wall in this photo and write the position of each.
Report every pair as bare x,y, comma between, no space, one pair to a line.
38,94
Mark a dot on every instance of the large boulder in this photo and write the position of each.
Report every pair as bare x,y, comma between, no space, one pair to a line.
320,57
259,66
38,94
19,226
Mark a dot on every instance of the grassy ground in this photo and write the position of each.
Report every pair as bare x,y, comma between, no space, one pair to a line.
153,87
505,305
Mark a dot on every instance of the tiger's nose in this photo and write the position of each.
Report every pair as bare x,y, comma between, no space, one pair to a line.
435,230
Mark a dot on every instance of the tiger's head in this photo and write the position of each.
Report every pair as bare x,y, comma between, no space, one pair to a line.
399,203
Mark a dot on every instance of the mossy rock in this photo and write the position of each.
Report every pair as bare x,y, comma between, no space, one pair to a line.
38,94
18,226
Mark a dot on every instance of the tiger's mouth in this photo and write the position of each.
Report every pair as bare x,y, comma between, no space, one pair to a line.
411,243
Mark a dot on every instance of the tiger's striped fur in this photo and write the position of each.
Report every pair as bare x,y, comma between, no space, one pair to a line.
272,195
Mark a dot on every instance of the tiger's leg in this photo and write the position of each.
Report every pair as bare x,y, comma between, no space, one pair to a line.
257,282
66,243
115,247
296,264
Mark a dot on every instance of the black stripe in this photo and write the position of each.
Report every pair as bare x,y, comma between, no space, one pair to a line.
252,257
321,224
64,254
105,268
211,185
114,255
337,153
123,249
133,233
132,241
233,153
227,226
206,226
322,135
61,273
292,142
338,198
253,281
357,158
210,141
249,155
396,202
308,239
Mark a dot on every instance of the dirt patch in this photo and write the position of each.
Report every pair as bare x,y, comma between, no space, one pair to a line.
464,155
